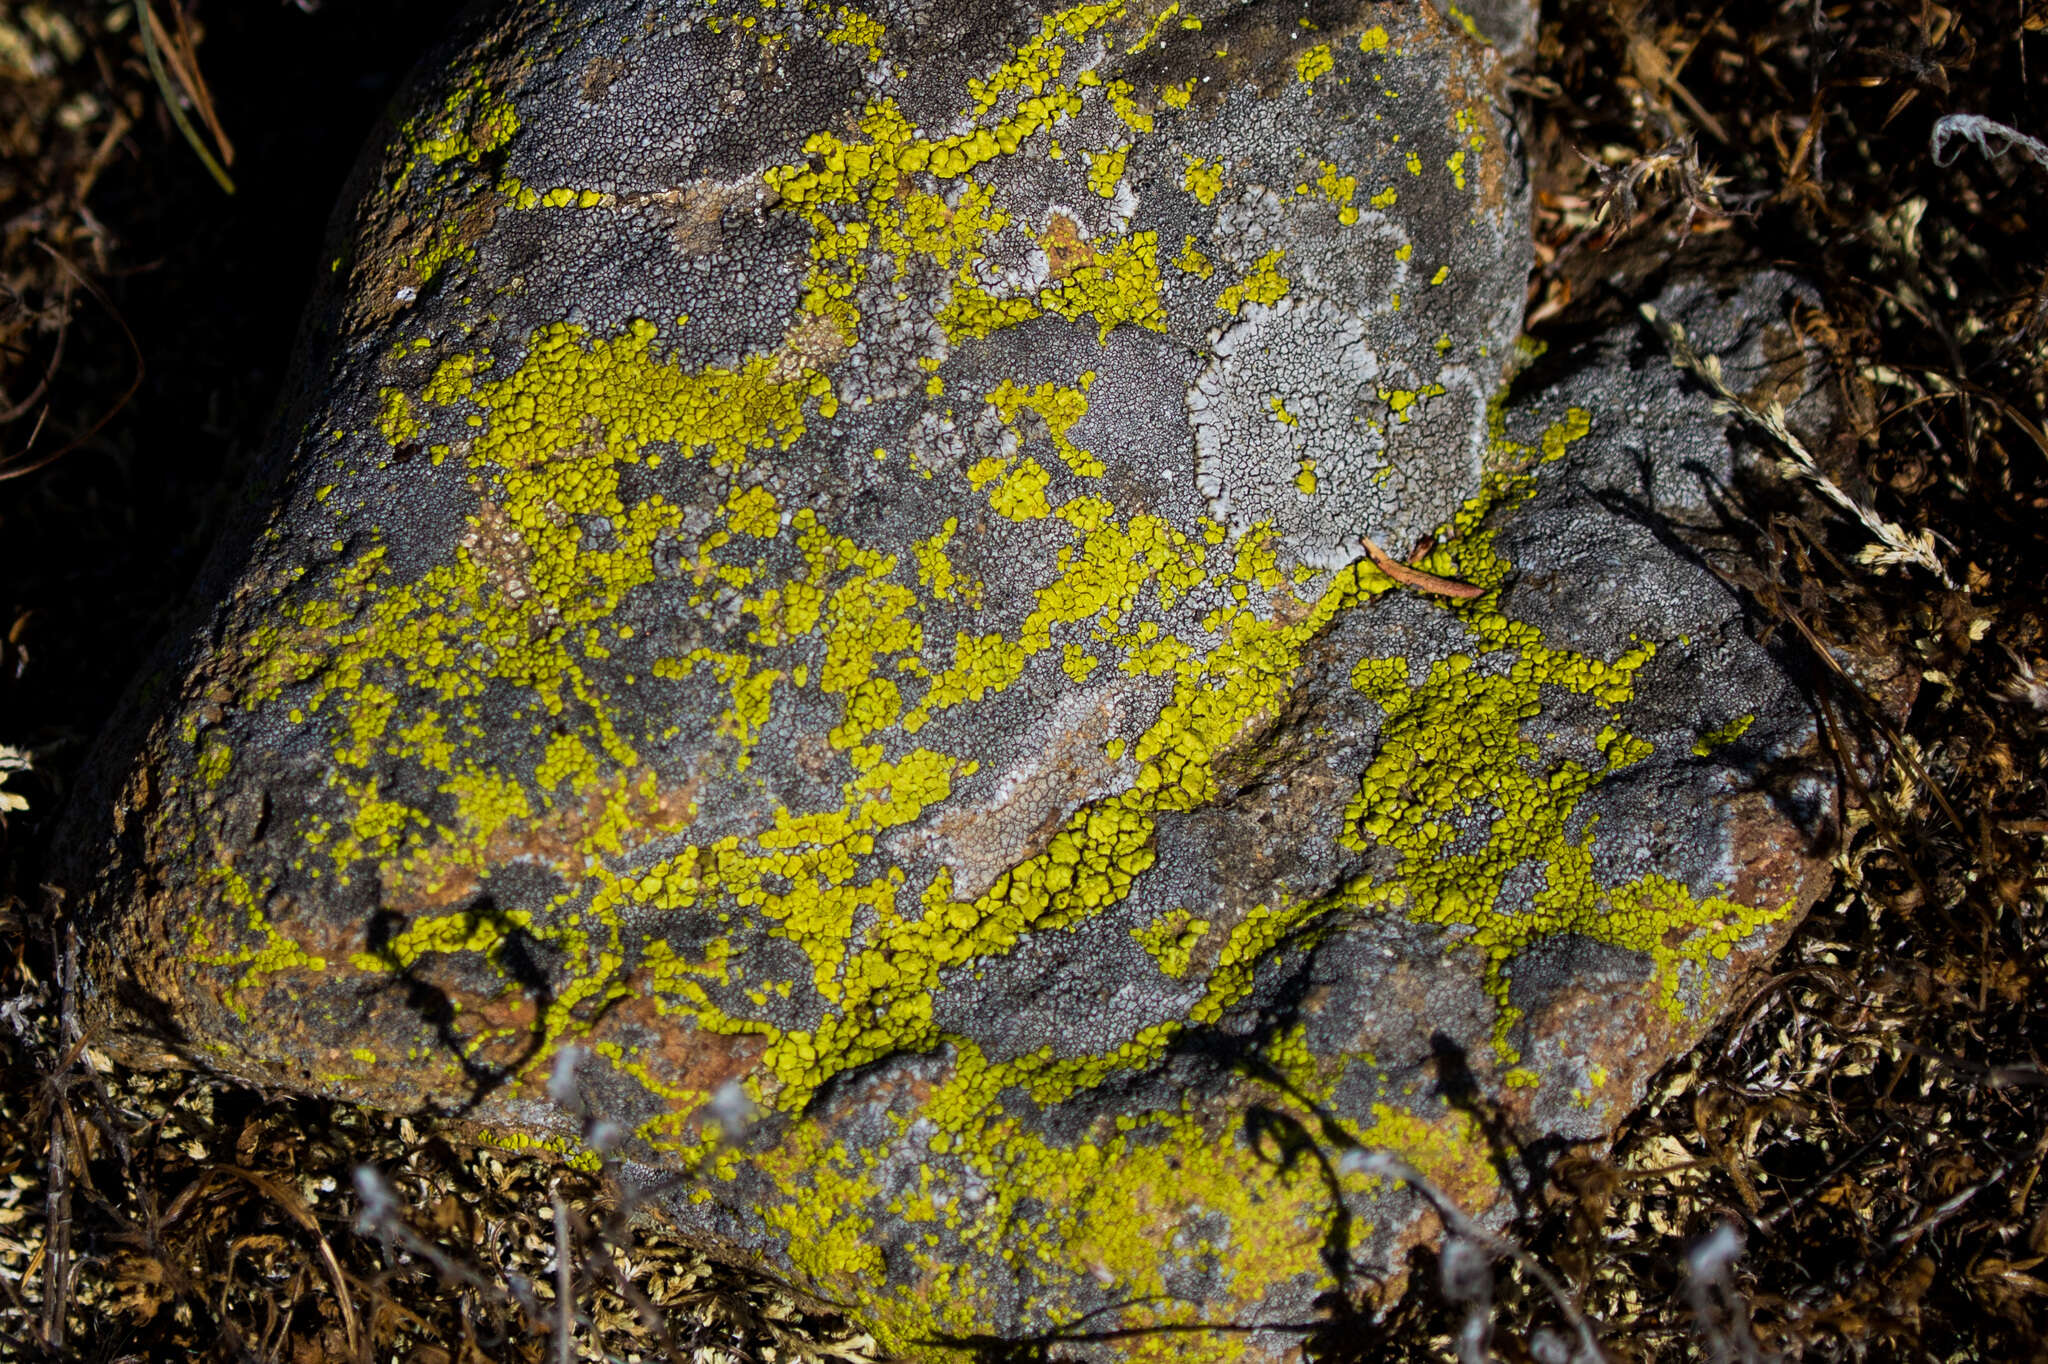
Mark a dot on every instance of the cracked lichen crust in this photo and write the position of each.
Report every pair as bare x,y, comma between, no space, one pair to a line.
818,561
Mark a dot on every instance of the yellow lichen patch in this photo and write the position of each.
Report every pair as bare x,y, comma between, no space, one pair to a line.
571,388
883,989
1401,402
1451,1152
935,572
981,665
750,690
1372,40
216,757
974,312
1119,94
1106,170
1317,61
1101,583
1115,285
858,30
1117,1199
526,601
752,511
866,619
1121,285
1203,179
1263,284
477,928
1171,940
1108,1171
1577,423
1151,34
454,379
829,1243
395,417
472,122
534,616
1061,408
1238,685
272,952
1339,190
1020,494
1721,736
1454,762
1464,21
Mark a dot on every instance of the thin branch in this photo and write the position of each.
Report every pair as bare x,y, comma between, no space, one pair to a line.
1385,1164
565,1289
1416,578
11,467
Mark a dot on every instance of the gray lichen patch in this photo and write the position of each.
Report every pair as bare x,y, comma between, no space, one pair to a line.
1346,393
1302,425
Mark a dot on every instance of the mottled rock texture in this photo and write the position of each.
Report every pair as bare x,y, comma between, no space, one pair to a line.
817,558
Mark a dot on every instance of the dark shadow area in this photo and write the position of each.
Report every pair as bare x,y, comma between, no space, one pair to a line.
1521,1166
98,550
518,956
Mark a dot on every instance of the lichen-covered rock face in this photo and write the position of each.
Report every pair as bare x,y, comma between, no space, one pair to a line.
817,561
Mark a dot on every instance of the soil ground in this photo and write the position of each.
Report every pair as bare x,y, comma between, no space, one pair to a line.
1869,1126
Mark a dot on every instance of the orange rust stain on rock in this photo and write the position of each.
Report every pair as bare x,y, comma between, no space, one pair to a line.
560,840
1066,250
672,1052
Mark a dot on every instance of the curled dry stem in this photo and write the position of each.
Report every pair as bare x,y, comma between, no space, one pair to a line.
19,465
295,1208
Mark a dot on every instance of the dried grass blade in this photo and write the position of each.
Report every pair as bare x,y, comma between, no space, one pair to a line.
183,54
150,28
1898,545
295,1208
35,395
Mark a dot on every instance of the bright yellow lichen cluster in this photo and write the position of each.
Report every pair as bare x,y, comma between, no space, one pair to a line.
1171,939
1262,284
450,144
473,121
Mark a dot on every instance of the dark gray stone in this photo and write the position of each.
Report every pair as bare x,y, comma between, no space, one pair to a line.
818,562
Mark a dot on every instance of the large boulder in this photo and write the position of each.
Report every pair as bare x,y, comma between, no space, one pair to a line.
821,564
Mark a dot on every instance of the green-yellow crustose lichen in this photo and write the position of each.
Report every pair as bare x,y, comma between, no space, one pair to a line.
1262,284
1722,735
1171,939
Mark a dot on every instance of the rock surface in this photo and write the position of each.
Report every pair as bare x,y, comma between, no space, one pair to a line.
817,562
